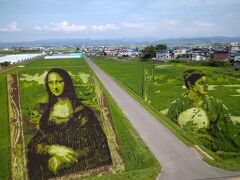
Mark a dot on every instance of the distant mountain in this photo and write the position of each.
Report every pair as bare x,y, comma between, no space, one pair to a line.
201,40
136,41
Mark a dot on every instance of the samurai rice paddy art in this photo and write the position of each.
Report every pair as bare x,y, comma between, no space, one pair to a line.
201,115
205,116
60,126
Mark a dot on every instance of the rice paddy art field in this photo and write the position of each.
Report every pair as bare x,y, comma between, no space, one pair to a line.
135,158
156,86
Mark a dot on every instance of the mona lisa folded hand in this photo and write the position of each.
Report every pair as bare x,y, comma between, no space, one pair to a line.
56,163
64,154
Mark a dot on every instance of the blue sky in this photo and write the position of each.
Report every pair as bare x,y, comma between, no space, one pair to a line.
24,20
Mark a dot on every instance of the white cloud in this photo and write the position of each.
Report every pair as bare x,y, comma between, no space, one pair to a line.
65,26
12,27
62,26
208,2
203,24
170,23
133,24
38,28
151,26
105,27
140,26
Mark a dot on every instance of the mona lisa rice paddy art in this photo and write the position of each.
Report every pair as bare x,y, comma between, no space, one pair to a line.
60,126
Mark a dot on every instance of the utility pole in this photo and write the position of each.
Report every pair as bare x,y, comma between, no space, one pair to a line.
143,69
153,96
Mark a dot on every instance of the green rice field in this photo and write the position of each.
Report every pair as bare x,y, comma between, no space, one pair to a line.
161,84
157,85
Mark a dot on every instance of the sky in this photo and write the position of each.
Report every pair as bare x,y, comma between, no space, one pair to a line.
29,20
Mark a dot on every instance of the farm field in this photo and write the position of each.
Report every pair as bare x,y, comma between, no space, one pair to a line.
157,85
166,82
137,159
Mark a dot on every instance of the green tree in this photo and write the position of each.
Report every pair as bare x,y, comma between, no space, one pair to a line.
161,47
5,64
150,51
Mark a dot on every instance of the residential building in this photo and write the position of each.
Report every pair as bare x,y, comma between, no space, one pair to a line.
163,55
200,54
236,61
184,56
235,46
233,54
198,57
178,52
128,52
221,55
237,58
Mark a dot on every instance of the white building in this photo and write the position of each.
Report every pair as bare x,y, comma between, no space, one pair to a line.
235,46
198,57
177,52
65,56
121,54
18,57
236,61
237,58
163,55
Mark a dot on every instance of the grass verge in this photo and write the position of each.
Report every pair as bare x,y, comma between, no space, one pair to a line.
4,145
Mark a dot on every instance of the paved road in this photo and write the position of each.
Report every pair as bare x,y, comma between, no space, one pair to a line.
177,160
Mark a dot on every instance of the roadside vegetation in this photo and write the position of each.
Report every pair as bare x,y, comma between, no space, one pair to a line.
138,159
157,85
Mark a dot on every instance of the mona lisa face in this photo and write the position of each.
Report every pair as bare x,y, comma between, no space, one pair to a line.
200,87
55,83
